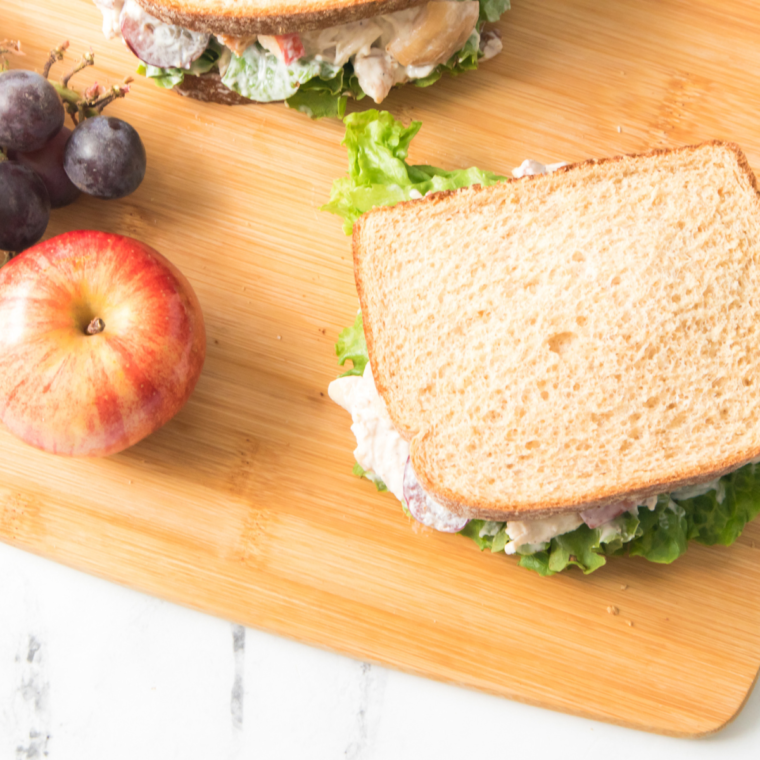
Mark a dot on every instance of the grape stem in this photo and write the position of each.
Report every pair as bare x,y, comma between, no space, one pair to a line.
80,108
9,46
88,59
56,54
95,98
117,91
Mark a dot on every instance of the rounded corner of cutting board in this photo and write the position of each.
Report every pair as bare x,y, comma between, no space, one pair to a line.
719,725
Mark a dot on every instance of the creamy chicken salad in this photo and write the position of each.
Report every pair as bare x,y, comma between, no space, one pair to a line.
383,456
656,527
316,71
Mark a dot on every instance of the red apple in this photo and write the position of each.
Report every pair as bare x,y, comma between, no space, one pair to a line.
101,342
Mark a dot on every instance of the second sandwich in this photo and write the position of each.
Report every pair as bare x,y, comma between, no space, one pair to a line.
313,55
564,366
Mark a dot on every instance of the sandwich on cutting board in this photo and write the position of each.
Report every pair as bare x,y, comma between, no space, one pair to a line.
312,54
563,354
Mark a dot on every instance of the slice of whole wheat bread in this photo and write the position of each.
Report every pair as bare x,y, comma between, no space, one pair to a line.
243,17
570,339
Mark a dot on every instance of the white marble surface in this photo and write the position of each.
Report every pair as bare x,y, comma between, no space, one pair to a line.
90,670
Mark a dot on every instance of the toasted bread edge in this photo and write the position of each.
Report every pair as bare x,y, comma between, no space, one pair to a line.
233,21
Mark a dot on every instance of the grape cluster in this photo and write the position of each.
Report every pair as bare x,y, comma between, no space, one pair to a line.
48,165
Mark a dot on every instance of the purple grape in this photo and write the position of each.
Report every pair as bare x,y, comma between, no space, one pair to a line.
24,207
159,44
425,509
31,113
105,157
47,162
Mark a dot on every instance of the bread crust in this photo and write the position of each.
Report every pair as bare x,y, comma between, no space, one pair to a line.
619,491
273,17
209,89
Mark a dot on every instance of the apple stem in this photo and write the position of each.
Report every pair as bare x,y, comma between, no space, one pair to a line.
96,326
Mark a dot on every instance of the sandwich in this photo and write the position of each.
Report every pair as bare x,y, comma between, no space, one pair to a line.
312,55
561,366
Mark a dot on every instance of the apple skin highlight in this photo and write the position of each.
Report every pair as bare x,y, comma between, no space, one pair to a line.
75,392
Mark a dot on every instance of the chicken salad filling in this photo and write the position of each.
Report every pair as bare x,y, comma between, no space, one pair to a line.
655,527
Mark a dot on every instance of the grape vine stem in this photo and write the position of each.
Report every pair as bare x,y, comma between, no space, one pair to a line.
9,46
56,54
88,59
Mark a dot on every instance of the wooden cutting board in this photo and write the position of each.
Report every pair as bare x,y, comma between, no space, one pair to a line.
244,506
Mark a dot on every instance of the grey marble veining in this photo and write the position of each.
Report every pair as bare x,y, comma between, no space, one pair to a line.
31,707
238,683
368,711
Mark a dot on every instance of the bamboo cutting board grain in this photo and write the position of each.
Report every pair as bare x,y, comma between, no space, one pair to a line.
244,506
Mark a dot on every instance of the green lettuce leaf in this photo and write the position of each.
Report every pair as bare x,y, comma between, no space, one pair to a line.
320,98
538,562
719,516
579,548
166,78
352,346
661,535
619,532
169,78
664,534
352,84
464,60
360,472
378,174
491,10
473,530
262,76
500,540
584,548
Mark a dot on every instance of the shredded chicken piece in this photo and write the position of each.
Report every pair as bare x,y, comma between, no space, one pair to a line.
438,32
375,73
237,45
